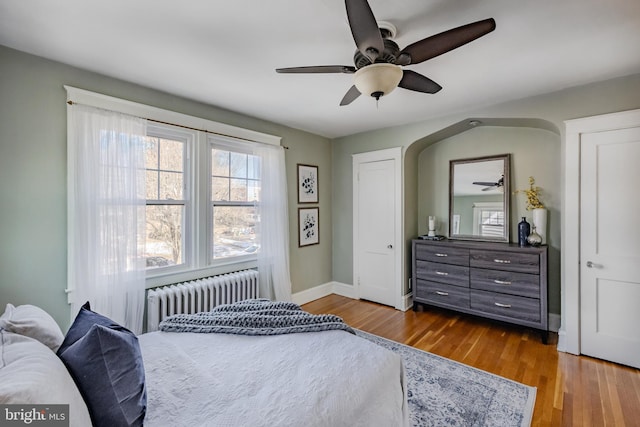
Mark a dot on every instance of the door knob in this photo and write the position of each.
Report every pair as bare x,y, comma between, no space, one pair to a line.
389,246
591,264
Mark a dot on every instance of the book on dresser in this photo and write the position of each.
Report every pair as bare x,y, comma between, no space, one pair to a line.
500,281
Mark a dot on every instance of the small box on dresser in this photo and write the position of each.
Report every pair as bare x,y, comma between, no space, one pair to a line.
499,281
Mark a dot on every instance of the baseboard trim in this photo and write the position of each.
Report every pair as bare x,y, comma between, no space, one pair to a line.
344,290
324,290
407,301
562,341
312,294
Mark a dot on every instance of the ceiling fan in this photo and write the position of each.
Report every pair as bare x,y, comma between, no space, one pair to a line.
498,185
378,59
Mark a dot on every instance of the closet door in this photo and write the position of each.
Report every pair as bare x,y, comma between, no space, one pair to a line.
376,227
610,245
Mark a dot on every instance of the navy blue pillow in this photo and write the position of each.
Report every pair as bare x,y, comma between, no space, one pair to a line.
107,366
83,322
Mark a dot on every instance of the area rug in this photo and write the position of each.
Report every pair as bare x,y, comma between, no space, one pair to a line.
442,392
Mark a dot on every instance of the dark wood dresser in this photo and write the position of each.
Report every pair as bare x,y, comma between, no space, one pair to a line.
499,281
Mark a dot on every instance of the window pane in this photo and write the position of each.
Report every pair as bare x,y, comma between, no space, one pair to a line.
152,185
151,152
171,155
234,231
164,240
219,163
238,165
238,190
253,191
171,186
164,160
253,167
492,217
220,189
492,223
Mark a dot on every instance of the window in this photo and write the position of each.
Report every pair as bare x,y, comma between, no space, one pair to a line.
202,197
488,219
166,194
235,191
201,208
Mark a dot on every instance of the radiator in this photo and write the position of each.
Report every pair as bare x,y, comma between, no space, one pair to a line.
199,295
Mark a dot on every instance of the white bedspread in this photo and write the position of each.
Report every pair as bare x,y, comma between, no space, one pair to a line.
328,379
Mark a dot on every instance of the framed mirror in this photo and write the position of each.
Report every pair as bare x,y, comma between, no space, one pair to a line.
479,198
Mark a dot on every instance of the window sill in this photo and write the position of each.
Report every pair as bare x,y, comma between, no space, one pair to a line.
171,277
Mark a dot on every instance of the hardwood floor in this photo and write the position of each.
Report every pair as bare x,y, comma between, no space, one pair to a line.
572,390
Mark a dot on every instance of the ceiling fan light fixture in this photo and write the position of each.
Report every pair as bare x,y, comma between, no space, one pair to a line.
378,79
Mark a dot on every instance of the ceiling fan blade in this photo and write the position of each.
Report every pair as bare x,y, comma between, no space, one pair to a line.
346,69
415,81
444,42
489,184
350,96
364,28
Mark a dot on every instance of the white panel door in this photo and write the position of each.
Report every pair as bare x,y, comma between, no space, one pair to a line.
610,245
375,224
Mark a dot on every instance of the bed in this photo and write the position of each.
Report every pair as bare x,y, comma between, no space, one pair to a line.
327,378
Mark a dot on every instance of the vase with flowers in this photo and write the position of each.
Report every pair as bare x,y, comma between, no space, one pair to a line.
537,207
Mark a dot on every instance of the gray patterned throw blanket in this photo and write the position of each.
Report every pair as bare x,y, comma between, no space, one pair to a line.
254,317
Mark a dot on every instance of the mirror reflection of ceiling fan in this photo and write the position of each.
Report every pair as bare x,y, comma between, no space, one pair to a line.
378,60
498,185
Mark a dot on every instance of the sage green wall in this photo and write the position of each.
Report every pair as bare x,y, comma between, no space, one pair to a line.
33,176
598,98
534,152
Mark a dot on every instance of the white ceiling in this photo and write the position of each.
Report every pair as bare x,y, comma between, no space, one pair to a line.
225,53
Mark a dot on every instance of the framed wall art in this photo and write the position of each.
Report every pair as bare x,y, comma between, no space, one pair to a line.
307,184
308,226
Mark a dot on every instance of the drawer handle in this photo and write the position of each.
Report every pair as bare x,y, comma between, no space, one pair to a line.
502,305
444,294
501,282
441,255
502,261
442,273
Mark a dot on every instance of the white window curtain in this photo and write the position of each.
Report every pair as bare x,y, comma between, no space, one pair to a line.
273,257
107,213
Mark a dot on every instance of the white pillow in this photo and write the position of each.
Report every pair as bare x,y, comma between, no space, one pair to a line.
33,322
30,373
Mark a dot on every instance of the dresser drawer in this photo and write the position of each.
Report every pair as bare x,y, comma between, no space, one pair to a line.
443,273
442,294
507,282
505,305
507,261
443,254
